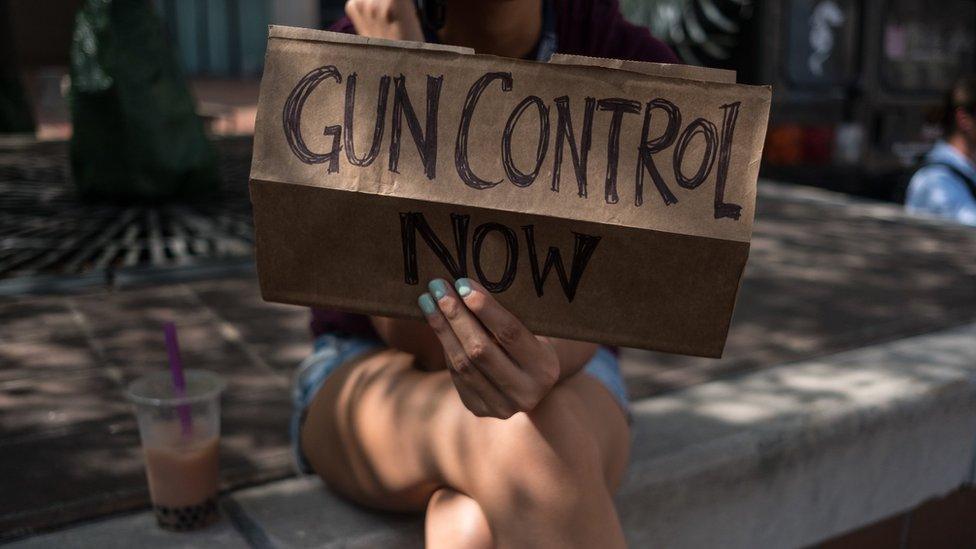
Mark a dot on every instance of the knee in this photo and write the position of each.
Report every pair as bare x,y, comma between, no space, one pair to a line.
546,457
455,520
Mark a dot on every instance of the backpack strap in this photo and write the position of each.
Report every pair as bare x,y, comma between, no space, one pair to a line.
967,179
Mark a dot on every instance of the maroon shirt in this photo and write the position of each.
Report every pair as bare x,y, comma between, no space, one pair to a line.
583,27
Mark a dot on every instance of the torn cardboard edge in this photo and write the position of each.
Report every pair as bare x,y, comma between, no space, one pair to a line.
647,68
663,70
315,35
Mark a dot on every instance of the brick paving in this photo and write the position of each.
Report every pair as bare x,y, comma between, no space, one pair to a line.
826,274
68,441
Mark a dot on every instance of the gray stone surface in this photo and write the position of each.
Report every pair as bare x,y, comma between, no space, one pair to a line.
826,274
784,457
64,361
135,531
301,512
797,454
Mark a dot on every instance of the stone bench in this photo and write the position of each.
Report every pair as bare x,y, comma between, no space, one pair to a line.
783,457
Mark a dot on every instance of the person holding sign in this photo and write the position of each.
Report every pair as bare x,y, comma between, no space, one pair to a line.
504,438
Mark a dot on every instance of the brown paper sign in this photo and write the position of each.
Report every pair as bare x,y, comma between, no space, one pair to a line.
688,72
602,204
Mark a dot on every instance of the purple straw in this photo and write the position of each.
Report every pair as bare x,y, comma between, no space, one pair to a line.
176,369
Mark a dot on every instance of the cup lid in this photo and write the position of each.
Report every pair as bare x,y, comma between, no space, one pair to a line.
156,389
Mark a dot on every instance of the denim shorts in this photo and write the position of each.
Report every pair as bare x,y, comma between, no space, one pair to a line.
332,351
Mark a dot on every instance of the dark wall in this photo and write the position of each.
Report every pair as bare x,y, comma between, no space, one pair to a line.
41,30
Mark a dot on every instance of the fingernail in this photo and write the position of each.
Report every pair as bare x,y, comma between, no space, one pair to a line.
438,288
426,304
463,286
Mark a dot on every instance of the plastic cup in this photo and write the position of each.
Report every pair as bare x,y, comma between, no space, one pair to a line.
181,456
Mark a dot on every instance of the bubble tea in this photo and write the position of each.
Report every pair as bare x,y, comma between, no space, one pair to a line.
180,436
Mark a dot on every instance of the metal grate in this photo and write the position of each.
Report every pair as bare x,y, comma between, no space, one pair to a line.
45,230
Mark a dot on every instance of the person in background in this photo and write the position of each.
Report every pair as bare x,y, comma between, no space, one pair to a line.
945,185
503,438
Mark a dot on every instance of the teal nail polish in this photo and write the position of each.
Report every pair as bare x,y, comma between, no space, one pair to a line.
463,286
427,304
438,288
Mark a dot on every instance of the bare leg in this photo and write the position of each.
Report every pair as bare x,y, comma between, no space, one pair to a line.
389,436
455,521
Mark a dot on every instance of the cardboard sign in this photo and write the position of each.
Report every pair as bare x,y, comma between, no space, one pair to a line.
601,204
688,72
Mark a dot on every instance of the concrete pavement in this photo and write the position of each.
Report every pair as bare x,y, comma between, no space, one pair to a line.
784,457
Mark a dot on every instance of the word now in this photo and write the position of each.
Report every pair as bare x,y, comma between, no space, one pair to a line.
718,143
412,223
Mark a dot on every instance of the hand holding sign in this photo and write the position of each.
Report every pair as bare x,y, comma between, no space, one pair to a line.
392,19
498,366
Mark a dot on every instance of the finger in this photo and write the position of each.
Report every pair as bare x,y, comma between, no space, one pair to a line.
468,378
469,398
508,330
501,409
479,345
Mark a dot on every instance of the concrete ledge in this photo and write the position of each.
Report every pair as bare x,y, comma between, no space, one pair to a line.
800,453
301,512
780,458
136,530
783,457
